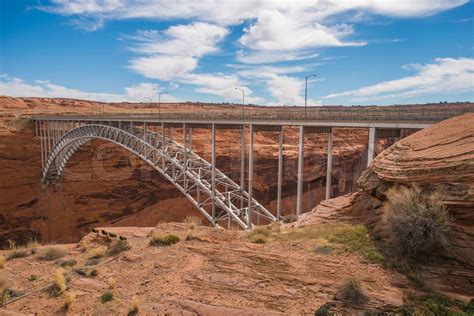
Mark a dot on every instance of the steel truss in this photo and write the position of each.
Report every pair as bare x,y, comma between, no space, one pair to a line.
215,195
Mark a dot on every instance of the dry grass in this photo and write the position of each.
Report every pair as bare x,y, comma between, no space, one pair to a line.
16,251
69,299
157,239
59,283
258,239
419,223
135,309
112,282
50,253
99,252
341,238
193,221
3,262
290,218
3,289
118,246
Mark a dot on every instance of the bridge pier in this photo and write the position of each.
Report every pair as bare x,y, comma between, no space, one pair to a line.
299,192
329,165
213,170
250,190
242,162
370,149
280,171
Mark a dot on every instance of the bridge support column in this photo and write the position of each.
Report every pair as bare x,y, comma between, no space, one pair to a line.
249,211
163,163
213,168
185,155
190,139
370,150
280,171
329,166
299,192
242,162
41,136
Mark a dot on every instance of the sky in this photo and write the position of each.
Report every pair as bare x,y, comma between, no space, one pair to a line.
360,51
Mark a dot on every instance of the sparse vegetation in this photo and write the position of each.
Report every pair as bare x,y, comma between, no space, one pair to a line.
59,283
69,299
3,289
93,273
193,221
50,253
135,306
419,224
435,304
68,263
324,310
3,262
32,278
99,252
190,237
290,218
112,282
107,297
163,240
16,252
351,293
258,239
118,246
341,238
92,262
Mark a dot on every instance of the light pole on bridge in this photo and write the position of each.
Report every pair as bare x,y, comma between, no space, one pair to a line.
243,101
306,93
159,103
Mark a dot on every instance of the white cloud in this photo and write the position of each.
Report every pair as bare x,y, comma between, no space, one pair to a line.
276,31
16,87
163,67
445,75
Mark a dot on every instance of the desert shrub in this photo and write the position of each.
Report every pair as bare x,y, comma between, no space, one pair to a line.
32,245
290,218
32,278
160,240
92,262
190,237
258,239
59,283
260,230
15,251
107,297
435,304
3,262
67,263
118,246
193,221
324,310
372,255
99,252
351,293
93,273
69,299
50,253
135,309
112,282
3,289
419,225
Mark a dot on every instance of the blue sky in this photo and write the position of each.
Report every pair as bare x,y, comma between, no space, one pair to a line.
363,52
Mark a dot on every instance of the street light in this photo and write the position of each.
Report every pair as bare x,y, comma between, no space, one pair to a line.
243,101
306,93
159,103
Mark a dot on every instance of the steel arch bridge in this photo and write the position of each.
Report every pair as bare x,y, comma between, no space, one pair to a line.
215,195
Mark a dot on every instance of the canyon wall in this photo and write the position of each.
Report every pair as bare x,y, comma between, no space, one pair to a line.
106,185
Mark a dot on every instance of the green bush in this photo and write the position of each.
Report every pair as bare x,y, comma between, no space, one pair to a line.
166,240
419,224
107,297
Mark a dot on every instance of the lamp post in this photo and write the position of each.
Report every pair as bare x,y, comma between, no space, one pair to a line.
306,93
243,101
159,103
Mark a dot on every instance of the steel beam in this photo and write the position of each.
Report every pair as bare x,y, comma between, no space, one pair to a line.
280,171
329,166
213,168
299,193
242,162
370,149
250,190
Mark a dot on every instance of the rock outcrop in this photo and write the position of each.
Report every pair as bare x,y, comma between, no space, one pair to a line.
441,159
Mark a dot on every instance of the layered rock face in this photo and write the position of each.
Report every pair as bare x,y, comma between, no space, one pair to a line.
105,185
440,158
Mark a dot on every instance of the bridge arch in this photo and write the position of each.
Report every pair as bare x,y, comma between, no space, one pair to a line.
190,173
